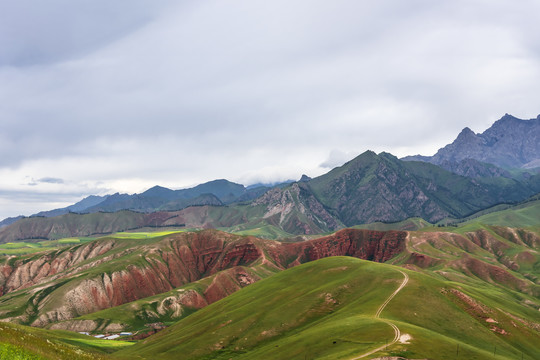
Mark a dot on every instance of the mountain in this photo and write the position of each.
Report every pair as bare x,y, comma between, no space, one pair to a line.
78,207
370,188
158,198
10,220
69,225
509,143
380,187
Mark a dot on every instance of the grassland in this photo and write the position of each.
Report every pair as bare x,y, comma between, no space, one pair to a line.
26,343
526,215
23,248
325,310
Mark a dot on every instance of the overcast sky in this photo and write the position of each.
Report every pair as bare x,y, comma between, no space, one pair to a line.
100,96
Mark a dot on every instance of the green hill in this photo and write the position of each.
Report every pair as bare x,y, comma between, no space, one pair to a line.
520,216
19,342
327,309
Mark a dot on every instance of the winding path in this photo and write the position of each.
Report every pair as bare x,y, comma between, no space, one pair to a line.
397,333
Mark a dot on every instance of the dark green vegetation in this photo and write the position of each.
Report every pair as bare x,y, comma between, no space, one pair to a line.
525,215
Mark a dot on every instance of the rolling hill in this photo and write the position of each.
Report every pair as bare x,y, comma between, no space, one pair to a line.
44,288
333,309
484,278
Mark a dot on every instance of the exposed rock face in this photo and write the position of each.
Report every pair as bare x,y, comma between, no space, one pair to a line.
368,245
94,276
509,143
296,208
23,273
474,169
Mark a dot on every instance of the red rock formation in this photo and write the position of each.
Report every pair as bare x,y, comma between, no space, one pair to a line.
172,262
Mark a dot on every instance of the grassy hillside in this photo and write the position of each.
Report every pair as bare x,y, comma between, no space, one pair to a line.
22,248
408,225
521,216
326,310
19,342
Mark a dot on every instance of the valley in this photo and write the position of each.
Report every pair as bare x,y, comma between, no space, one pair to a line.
416,258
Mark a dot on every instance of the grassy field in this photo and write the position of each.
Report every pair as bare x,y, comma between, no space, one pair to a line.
23,248
325,310
521,216
26,343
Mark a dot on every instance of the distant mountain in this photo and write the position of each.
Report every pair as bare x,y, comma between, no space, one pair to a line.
370,188
158,198
9,221
509,143
81,206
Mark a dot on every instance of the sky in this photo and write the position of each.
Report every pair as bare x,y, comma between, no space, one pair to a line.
100,96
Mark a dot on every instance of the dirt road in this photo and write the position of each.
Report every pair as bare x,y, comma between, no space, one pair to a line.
397,333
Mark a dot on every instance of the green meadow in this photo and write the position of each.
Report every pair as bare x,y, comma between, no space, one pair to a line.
325,310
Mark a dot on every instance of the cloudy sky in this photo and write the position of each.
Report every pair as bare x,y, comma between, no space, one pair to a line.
100,96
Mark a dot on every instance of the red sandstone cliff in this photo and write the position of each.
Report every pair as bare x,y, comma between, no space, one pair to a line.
102,274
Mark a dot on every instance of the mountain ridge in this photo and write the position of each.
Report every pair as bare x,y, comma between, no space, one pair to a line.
509,143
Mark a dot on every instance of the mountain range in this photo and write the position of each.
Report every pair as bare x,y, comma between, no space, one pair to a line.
475,172
509,143
380,258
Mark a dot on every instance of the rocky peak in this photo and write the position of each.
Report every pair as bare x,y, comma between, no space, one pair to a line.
509,143
466,133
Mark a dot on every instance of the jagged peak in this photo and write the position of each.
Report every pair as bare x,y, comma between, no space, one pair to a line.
466,131
465,135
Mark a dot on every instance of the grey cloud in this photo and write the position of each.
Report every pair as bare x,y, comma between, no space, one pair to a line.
51,180
36,33
173,92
